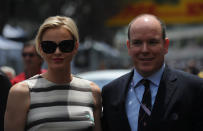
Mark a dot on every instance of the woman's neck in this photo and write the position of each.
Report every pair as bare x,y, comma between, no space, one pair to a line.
58,76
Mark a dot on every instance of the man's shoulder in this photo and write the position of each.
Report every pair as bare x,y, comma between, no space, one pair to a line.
18,78
185,77
118,81
184,74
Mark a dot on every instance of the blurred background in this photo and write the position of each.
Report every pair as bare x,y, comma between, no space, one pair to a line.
103,30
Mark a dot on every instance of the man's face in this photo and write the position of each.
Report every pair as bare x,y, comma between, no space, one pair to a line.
30,58
146,45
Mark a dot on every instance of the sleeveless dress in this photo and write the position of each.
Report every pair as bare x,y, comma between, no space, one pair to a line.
60,107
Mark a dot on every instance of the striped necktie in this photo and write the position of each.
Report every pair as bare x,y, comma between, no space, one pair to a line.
146,100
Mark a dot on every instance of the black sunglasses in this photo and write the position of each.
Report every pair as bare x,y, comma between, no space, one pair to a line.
65,46
28,54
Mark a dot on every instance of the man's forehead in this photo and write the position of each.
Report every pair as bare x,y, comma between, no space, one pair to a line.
152,29
29,48
146,33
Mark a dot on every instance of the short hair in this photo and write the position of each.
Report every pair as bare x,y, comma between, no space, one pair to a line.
29,43
163,26
54,22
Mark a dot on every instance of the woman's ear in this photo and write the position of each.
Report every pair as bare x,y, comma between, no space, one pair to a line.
76,47
39,51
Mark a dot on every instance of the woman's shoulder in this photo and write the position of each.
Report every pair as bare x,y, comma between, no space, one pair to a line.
80,82
20,87
19,91
36,81
87,84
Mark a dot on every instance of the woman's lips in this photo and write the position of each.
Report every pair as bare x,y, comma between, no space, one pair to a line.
58,59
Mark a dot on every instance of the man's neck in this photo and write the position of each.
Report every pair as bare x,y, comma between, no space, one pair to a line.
31,73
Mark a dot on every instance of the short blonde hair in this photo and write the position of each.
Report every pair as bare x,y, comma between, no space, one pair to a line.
54,22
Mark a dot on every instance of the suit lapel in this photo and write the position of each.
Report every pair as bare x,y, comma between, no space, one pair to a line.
165,92
124,84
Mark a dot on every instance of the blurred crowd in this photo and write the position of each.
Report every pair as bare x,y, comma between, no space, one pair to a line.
32,64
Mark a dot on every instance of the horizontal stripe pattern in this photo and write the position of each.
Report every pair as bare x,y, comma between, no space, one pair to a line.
64,126
65,103
68,96
58,87
71,112
59,114
53,104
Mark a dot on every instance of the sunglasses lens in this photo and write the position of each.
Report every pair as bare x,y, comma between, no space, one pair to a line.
48,46
66,46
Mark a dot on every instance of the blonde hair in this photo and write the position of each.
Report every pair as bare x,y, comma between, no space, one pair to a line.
54,22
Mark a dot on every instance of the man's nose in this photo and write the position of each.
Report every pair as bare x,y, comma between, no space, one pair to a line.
145,47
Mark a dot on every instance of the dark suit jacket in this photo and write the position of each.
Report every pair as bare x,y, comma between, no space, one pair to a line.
178,104
4,89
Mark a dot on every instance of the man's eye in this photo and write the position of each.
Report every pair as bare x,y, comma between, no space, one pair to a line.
137,42
153,42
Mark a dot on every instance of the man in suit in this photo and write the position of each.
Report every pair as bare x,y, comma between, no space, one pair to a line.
171,101
4,89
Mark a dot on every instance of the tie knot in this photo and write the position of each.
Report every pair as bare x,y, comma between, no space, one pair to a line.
145,82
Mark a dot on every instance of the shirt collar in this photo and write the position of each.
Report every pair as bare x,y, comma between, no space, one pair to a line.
155,78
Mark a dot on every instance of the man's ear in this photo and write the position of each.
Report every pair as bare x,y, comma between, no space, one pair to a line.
166,45
128,44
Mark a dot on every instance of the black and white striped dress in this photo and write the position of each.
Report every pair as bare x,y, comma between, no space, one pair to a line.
65,107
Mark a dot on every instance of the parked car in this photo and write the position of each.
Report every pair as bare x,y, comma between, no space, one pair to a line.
102,77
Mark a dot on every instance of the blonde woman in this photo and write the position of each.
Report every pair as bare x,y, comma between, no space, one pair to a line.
55,100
